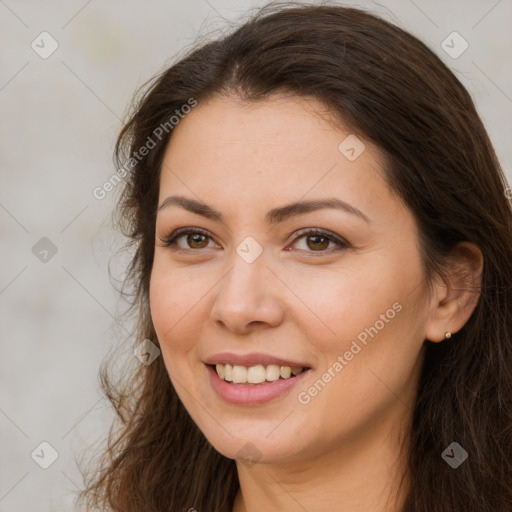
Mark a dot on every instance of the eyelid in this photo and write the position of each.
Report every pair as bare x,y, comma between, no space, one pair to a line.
168,241
320,232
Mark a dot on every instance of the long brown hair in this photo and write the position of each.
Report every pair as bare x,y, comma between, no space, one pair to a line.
390,88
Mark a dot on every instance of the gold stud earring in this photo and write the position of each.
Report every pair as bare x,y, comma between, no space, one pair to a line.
448,335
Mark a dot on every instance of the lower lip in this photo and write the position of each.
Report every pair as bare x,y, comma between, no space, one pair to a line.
250,394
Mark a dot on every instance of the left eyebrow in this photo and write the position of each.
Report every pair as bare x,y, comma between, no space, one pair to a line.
274,216
284,212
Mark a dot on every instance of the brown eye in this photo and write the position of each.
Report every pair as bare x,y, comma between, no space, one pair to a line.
197,241
317,242
187,239
314,240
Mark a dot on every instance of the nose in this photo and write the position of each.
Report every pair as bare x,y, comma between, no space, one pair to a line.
248,297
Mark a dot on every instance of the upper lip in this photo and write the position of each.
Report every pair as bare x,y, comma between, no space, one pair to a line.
252,359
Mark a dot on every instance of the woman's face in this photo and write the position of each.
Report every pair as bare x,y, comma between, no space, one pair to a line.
253,288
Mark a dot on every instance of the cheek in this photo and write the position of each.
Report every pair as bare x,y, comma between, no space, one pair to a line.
173,298
338,304
370,316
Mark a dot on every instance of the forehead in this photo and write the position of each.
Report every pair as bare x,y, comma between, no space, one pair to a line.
233,125
227,151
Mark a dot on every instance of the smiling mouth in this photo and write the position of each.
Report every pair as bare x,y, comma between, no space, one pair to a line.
256,375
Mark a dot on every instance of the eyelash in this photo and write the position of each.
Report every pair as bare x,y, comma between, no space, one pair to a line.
170,241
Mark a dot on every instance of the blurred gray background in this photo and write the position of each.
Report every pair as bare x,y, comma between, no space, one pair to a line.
68,72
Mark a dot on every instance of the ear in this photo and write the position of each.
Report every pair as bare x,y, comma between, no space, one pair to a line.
456,294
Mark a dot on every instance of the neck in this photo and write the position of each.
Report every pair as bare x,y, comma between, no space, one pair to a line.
362,475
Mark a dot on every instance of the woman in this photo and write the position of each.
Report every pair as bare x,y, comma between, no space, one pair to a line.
322,256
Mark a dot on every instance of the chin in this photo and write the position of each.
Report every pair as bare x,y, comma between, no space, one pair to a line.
254,446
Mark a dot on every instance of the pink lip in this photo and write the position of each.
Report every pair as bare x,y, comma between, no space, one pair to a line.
252,359
249,394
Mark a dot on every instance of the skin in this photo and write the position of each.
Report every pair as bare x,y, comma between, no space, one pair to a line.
341,450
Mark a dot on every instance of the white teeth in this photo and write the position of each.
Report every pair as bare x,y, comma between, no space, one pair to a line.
285,372
239,374
255,374
272,372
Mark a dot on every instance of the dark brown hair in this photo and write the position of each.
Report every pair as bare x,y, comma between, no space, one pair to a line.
388,87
